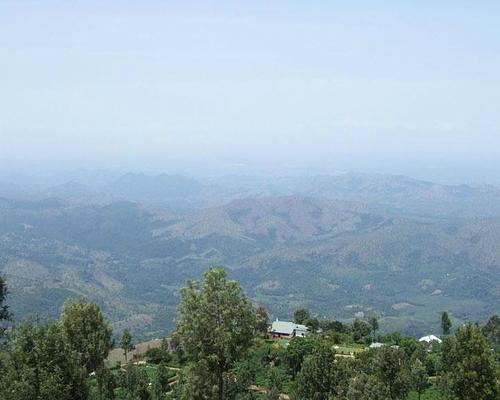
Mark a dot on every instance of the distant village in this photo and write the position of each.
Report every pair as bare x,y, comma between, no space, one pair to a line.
289,330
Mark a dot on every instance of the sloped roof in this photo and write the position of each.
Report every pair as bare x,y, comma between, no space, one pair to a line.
286,328
430,338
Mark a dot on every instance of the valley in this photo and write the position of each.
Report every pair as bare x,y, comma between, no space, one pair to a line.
356,255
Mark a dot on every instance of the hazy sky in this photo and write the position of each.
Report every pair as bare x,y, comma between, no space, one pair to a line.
153,84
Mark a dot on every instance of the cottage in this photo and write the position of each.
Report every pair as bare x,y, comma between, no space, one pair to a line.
430,339
287,330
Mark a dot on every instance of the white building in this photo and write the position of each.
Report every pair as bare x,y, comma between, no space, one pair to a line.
287,329
430,339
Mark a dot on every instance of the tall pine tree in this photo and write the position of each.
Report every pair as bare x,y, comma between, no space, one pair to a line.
216,327
445,323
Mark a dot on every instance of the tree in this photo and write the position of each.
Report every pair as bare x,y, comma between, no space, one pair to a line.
360,330
175,347
323,376
373,322
445,323
297,350
135,383
38,364
392,372
160,385
141,390
419,377
492,331
242,376
312,323
87,332
216,326
333,326
165,345
262,320
157,355
301,315
126,344
4,310
201,383
393,338
105,384
366,387
408,344
276,383
468,366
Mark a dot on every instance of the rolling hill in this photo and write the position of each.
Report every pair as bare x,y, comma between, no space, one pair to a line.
387,194
341,258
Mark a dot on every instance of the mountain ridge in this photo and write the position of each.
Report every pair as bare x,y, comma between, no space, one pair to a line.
388,193
340,258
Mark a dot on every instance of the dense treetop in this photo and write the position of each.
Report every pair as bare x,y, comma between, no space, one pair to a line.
220,351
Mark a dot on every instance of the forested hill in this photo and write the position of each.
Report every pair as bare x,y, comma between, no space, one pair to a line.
340,258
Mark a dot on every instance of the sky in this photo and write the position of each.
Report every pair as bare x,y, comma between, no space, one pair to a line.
391,86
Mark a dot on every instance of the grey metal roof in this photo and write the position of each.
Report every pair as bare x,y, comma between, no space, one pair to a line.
286,328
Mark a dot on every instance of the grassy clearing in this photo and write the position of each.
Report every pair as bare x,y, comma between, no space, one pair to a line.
117,356
351,348
429,394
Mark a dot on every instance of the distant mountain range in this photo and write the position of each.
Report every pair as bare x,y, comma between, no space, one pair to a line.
344,245
386,193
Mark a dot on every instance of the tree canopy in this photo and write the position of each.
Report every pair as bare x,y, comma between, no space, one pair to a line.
4,310
216,326
445,323
322,376
40,364
87,332
126,343
218,353
262,320
301,315
468,365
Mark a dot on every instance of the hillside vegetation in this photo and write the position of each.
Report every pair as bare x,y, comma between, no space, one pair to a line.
376,249
224,347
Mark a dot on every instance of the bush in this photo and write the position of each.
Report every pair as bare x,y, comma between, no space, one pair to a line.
157,355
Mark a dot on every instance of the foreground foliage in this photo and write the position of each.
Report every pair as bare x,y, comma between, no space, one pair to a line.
216,328
220,351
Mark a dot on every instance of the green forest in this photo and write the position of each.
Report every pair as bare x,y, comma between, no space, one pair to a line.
339,259
221,349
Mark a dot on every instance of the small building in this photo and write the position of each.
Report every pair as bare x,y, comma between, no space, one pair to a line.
430,339
287,330
376,345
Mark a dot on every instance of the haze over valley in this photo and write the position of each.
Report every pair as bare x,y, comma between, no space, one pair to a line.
249,200
346,245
